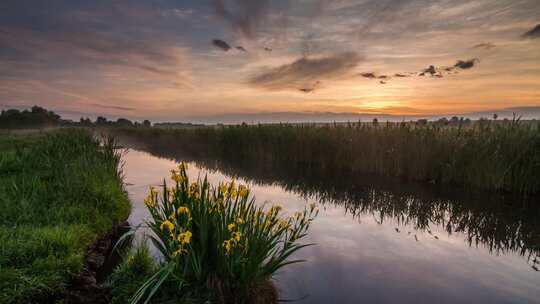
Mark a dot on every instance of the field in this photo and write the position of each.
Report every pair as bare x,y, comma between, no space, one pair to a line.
59,192
501,156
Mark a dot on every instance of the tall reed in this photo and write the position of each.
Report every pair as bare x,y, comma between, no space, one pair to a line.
489,155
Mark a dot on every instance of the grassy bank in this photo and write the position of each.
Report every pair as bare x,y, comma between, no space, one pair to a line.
487,155
58,193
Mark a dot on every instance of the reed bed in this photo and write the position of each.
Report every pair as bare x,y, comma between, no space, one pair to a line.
59,192
487,155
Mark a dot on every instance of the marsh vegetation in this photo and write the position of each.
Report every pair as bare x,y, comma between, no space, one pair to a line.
502,156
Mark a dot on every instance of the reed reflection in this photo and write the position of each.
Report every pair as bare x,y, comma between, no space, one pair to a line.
500,223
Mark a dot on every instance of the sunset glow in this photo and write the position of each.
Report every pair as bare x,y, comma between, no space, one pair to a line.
174,60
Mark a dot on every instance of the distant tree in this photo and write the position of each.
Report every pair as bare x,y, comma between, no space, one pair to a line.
36,117
85,121
123,122
147,123
454,120
375,121
101,120
442,121
422,122
495,116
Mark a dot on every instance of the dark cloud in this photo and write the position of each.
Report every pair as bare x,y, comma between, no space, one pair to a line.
368,75
112,107
224,46
429,70
80,34
401,75
485,46
267,49
243,15
533,33
305,70
310,88
241,48
466,64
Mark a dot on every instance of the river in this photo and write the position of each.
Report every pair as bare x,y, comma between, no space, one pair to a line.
375,245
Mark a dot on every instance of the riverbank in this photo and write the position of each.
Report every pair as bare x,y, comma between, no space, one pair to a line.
60,193
499,156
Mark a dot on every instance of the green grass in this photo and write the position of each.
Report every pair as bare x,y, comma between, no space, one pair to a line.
488,155
59,192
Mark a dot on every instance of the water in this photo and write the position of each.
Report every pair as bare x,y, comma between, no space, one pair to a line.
384,244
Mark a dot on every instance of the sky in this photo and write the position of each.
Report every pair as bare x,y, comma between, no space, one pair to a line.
172,60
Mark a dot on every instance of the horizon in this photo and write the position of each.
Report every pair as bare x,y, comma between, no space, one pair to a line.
269,61
521,113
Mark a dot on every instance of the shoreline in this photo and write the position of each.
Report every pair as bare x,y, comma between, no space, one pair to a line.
90,285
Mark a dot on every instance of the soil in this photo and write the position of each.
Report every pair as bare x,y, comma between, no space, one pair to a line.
88,287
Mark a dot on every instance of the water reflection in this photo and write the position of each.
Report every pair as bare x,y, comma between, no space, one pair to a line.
386,242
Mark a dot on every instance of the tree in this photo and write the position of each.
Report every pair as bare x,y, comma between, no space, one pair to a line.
422,122
101,120
147,123
123,122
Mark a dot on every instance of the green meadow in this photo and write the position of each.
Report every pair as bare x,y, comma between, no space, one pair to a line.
59,192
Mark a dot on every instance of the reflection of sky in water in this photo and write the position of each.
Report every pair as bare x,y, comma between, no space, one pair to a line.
358,260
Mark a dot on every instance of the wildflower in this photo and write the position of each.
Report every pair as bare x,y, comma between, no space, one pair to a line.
240,221
274,210
177,178
185,237
231,226
228,246
234,192
179,252
193,187
243,191
236,236
183,210
149,201
284,224
224,188
183,167
167,224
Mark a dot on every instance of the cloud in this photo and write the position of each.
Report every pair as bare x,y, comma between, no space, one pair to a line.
368,75
243,15
305,70
224,46
112,107
485,46
533,33
430,70
241,48
466,64
310,88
